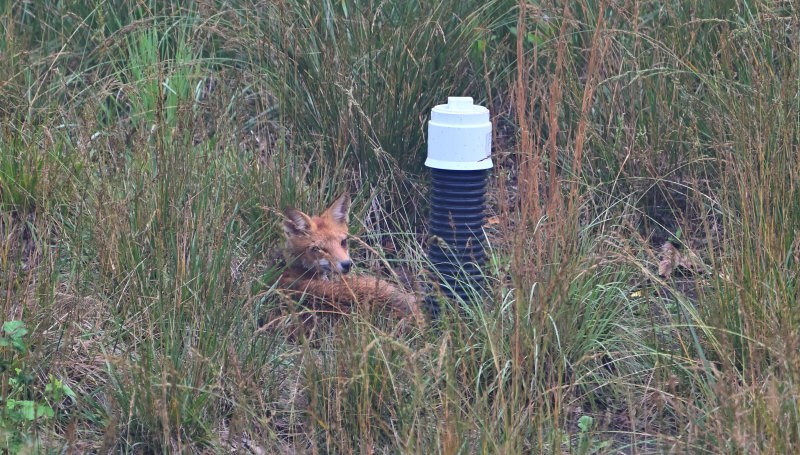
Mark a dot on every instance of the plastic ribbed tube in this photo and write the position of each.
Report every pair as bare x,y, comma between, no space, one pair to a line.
457,243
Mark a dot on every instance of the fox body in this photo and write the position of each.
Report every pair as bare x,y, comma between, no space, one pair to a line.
318,264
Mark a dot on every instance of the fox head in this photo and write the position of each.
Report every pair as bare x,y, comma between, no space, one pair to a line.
319,243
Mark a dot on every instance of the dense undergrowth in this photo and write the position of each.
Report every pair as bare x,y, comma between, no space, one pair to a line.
147,148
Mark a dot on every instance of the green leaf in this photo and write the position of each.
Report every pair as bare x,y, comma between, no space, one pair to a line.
58,389
585,423
14,328
30,410
15,331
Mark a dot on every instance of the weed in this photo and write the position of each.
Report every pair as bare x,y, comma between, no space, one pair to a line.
147,149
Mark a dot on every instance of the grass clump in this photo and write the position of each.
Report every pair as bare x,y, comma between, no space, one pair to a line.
147,149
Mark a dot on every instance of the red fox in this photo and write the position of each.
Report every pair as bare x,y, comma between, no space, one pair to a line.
318,264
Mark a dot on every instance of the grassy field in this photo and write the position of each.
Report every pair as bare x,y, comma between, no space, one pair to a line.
645,226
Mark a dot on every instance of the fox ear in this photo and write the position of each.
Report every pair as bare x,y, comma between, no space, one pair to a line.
296,222
340,209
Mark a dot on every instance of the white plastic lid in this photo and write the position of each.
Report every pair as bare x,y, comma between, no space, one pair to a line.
459,136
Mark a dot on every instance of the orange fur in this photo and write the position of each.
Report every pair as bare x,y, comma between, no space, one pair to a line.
318,263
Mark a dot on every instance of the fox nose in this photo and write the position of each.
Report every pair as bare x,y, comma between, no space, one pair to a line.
344,266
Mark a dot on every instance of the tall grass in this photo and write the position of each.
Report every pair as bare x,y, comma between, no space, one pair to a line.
147,148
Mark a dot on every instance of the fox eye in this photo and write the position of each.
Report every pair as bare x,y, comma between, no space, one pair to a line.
344,243
315,249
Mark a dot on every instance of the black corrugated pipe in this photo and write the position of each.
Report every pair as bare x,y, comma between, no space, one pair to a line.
459,154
